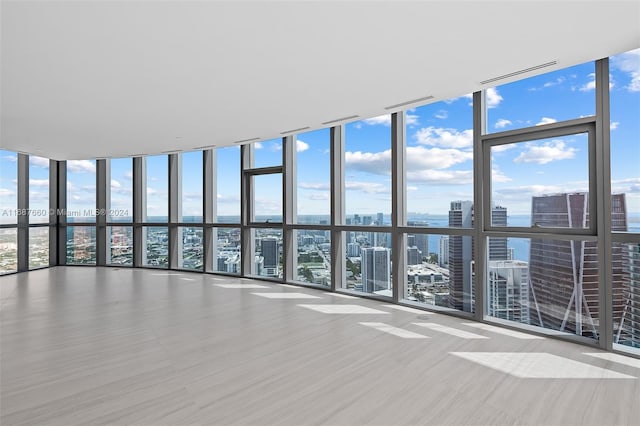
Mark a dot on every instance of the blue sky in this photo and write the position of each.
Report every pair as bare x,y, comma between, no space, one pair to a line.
439,155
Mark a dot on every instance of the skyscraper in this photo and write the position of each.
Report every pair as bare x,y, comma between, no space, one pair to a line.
627,332
508,290
413,256
270,255
461,252
564,273
443,254
375,269
460,256
498,246
380,219
353,249
422,242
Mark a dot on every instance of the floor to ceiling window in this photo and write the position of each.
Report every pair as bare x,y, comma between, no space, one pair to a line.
81,212
512,221
39,214
439,194
119,212
155,239
624,74
8,212
225,197
543,176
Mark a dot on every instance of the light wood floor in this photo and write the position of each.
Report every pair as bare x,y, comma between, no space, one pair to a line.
90,346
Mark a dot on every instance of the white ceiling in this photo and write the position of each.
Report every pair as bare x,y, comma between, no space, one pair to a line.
94,79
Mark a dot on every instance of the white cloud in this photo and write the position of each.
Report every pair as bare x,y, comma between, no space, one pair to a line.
590,85
257,145
498,176
442,114
502,148
493,98
424,165
526,191
502,123
6,192
446,138
81,166
366,187
468,96
314,186
630,185
411,119
39,162
268,205
420,158
276,146
370,162
442,177
614,125
557,81
384,120
12,158
546,120
546,152
115,184
128,175
629,63
412,188
301,146
319,196
39,182
548,84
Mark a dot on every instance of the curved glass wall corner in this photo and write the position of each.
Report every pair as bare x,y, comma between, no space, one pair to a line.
523,213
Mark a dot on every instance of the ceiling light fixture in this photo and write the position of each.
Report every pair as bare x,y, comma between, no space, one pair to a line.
523,71
295,130
341,119
204,146
414,101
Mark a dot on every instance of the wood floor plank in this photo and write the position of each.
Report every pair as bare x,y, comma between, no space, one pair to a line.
118,346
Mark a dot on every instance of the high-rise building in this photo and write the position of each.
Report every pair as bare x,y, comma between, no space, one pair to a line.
270,255
508,290
222,259
498,246
443,253
422,242
564,273
413,256
353,249
461,252
375,269
460,256
627,331
380,219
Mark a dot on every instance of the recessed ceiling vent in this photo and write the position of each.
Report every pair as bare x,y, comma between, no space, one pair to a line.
295,130
351,117
413,101
524,71
204,146
247,140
